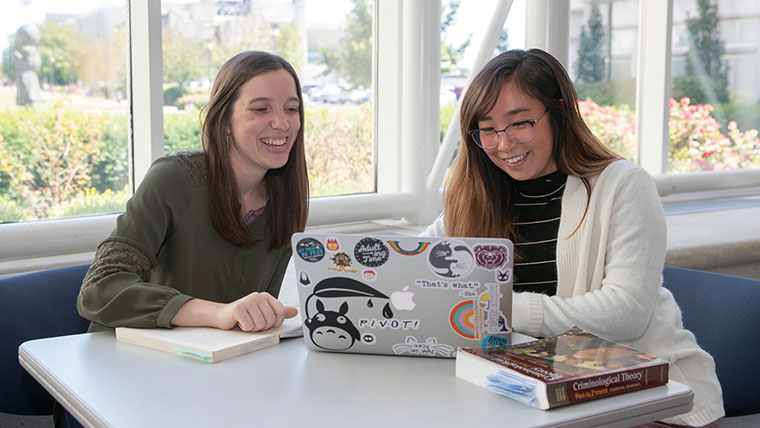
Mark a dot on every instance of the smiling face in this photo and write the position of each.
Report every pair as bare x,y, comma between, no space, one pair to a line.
264,124
522,160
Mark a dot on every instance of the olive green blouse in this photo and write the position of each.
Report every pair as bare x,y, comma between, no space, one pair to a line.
165,251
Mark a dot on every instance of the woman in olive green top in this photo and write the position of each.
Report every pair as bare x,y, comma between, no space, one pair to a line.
205,239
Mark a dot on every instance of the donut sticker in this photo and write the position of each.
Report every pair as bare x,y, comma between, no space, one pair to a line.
451,259
371,252
421,247
463,319
310,250
490,257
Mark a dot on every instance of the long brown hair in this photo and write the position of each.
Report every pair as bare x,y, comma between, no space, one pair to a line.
478,194
287,187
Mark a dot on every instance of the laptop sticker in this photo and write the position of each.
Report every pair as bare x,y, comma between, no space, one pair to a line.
490,257
504,275
334,329
428,348
332,244
331,329
421,247
342,263
369,275
463,319
451,259
368,338
371,252
303,278
493,341
310,250
490,302
403,300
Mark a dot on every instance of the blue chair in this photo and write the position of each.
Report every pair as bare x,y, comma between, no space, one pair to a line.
722,312
33,306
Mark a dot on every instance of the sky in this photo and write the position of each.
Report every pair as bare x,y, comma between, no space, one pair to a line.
472,19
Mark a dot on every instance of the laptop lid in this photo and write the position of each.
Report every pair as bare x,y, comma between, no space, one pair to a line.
403,295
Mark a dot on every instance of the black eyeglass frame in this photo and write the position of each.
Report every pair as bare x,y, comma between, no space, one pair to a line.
475,133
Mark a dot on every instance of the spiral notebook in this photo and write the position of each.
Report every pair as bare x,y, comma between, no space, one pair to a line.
403,295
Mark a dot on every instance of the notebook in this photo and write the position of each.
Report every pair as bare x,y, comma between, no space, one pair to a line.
403,295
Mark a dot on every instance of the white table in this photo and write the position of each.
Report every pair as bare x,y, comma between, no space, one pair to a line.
107,383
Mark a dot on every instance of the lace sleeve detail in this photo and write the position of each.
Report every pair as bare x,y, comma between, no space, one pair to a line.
116,255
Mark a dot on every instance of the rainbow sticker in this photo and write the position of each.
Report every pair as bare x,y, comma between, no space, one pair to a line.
462,319
421,247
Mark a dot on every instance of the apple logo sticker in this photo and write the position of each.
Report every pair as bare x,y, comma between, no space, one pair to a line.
402,300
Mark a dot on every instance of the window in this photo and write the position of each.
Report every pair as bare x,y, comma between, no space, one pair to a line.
329,43
715,108
603,45
63,109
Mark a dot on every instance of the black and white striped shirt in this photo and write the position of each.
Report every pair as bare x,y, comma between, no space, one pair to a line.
539,205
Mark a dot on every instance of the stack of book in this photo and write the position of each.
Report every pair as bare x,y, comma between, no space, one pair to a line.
573,367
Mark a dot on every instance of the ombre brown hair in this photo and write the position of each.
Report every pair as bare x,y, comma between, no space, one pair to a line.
478,196
287,187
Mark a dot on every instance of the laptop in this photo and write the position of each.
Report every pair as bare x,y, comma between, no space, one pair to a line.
403,295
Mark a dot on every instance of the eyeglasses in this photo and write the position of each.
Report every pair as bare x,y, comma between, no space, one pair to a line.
520,132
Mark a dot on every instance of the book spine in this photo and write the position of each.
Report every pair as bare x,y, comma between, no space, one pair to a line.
590,388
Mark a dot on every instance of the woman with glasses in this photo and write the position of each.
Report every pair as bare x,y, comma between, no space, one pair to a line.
205,240
588,227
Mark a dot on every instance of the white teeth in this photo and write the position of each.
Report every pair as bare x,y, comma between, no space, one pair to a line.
274,141
517,159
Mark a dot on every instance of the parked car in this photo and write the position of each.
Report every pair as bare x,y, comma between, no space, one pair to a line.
334,94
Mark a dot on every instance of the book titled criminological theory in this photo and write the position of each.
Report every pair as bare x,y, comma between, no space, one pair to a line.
208,344
556,371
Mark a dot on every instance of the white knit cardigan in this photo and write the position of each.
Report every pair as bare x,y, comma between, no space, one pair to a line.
609,281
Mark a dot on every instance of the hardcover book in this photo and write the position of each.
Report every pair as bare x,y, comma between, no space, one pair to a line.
556,371
208,344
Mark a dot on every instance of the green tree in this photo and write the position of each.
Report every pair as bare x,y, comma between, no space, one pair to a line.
450,54
185,59
706,77
59,46
353,59
8,65
289,45
590,64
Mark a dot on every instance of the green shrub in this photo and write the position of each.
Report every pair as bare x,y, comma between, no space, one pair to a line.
91,202
608,92
48,154
182,132
339,150
172,94
746,116
110,169
11,211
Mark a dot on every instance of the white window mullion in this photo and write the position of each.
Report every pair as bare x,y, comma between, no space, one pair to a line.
420,104
452,137
145,80
386,75
653,85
